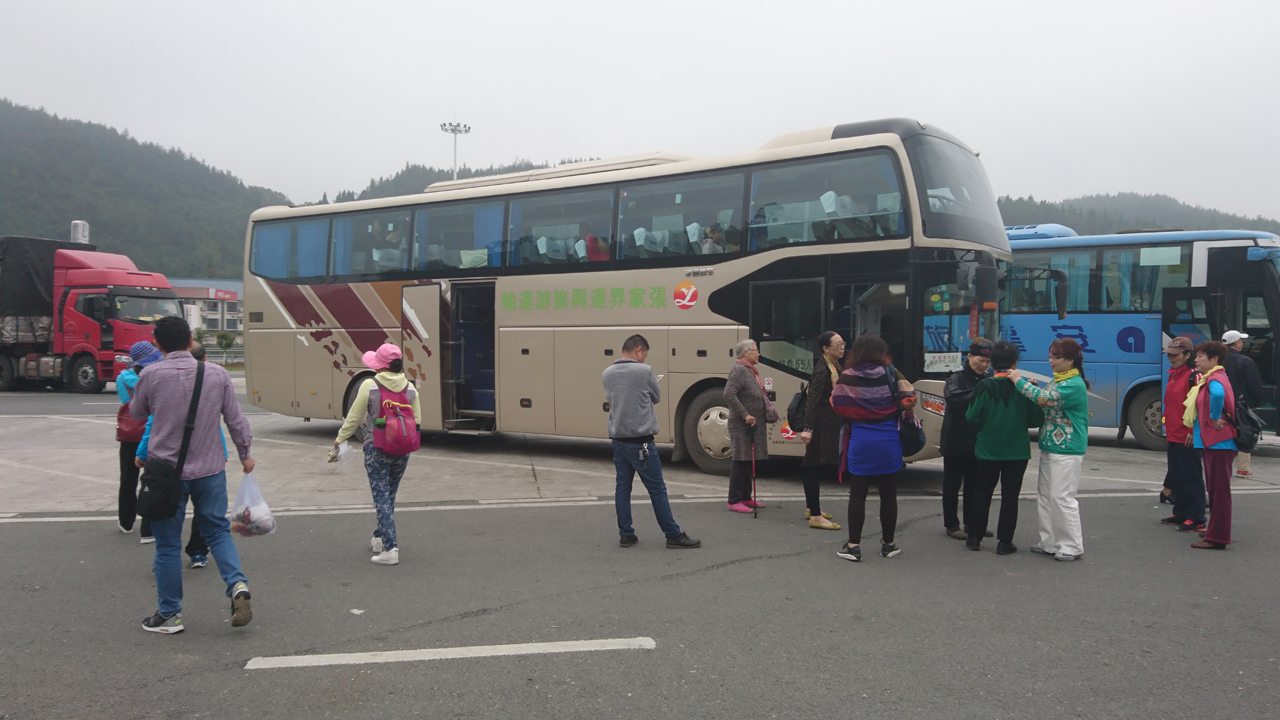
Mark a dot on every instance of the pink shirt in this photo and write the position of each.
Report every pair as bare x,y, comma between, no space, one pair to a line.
164,390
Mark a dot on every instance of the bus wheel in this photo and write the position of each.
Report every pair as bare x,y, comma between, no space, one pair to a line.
706,432
1144,419
8,375
84,376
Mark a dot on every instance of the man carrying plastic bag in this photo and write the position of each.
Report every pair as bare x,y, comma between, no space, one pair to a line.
172,391
250,515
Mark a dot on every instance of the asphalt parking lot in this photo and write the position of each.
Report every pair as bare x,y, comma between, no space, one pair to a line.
509,544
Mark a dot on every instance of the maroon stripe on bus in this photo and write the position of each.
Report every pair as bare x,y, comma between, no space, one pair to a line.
296,304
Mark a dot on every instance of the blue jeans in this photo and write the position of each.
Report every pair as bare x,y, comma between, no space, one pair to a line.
626,458
385,472
209,497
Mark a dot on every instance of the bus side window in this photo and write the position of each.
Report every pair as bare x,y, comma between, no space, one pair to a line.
287,250
680,218
560,228
457,237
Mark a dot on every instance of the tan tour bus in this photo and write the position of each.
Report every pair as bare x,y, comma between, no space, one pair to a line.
511,294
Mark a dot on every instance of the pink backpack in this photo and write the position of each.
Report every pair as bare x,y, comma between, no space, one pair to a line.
395,428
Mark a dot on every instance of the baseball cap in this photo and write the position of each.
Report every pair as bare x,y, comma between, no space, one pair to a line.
381,358
1231,336
1179,344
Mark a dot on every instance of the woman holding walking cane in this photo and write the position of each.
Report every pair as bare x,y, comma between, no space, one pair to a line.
749,413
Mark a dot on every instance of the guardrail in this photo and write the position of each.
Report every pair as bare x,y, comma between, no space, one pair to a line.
234,356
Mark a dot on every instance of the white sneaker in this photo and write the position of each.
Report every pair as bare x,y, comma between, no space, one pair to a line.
148,540
387,557
375,545
126,532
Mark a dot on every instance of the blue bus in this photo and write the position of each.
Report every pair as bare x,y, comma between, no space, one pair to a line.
1130,293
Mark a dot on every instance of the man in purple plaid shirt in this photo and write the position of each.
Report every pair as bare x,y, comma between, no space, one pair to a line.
164,391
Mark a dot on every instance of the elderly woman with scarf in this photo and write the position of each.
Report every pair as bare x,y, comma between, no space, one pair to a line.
749,413
874,402
1210,409
1063,441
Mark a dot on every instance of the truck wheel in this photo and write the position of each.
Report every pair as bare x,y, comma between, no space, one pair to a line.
7,380
706,432
1144,419
84,376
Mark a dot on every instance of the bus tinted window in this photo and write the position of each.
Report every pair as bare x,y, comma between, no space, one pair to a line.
1133,278
699,216
458,237
561,228
1037,296
853,198
286,250
371,242
955,198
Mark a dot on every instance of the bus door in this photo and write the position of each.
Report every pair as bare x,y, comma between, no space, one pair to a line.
472,373
1190,312
422,346
1250,303
786,319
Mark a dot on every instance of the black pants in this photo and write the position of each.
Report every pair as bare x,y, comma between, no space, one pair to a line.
957,472
128,498
1008,473
1186,479
888,486
739,481
812,477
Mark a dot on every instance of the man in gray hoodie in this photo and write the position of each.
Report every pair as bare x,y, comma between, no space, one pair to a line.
632,391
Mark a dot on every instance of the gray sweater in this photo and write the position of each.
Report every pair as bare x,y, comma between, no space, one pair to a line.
631,390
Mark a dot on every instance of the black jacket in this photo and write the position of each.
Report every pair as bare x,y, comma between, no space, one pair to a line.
959,436
1242,371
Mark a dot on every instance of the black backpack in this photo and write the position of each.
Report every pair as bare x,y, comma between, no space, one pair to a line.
795,411
1248,428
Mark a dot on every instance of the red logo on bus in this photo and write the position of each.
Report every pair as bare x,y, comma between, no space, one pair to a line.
686,295
787,432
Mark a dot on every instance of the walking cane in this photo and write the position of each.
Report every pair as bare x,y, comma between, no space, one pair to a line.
755,502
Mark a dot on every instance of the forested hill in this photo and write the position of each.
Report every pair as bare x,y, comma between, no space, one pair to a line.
1102,214
170,212
413,178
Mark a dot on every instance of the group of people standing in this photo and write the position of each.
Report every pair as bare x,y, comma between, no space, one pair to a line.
990,407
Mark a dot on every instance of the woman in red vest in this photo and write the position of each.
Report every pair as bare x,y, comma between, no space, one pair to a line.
1210,412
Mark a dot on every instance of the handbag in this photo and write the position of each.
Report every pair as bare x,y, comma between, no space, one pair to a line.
161,489
129,428
910,430
1248,428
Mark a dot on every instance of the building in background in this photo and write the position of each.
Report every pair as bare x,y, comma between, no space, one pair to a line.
211,305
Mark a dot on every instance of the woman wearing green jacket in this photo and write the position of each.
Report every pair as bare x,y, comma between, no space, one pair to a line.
1063,441
1002,416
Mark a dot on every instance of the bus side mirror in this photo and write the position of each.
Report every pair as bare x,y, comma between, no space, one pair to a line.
1061,291
986,282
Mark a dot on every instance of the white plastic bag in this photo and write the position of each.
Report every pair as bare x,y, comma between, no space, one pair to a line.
250,515
343,454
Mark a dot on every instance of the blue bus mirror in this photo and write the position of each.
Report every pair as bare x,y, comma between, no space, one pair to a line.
1261,253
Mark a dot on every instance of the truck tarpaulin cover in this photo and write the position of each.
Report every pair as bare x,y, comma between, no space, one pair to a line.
26,274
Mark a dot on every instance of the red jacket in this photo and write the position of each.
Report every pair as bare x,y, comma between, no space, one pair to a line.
1208,435
1175,397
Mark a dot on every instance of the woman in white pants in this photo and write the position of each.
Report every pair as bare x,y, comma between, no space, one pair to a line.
1063,441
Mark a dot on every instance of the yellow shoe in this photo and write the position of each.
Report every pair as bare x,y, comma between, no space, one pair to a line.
807,517
813,523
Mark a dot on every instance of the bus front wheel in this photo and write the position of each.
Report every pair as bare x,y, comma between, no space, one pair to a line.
1144,419
706,432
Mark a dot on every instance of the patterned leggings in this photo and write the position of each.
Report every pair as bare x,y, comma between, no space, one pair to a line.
385,472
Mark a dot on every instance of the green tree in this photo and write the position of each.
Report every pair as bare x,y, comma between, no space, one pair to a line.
198,335
226,340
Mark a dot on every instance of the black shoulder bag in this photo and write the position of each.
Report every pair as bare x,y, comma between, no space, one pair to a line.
911,431
161,481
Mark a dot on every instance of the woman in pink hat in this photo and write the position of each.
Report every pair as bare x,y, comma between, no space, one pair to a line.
387,404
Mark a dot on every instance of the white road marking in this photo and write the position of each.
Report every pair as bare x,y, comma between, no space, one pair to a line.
365,658
6,518
59,473
538,500
76,418
98,403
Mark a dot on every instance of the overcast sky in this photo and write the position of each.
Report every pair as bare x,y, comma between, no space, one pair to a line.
1062,99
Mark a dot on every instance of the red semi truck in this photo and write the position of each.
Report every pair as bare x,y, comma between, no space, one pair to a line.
68,314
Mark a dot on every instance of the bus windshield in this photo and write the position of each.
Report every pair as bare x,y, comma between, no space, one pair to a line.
144,310
955,198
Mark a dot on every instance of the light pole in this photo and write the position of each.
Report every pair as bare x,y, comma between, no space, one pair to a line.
455,129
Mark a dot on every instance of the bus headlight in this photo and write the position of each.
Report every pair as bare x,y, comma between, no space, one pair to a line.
933,403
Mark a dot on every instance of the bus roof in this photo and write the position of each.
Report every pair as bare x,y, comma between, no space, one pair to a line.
1141,238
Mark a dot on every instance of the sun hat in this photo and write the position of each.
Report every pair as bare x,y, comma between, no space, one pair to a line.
1232,336
381,358
144,353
